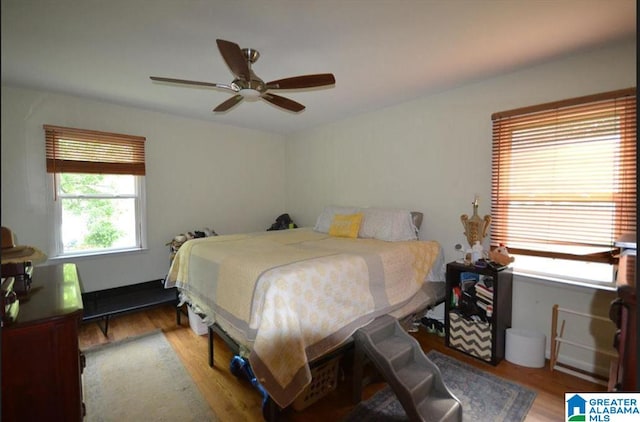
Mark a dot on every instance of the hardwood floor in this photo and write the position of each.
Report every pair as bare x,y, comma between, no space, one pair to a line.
233,399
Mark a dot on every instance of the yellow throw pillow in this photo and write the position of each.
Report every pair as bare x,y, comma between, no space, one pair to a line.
345,225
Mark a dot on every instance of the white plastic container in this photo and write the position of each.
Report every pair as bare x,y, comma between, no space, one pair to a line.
525,347
476,252
196,323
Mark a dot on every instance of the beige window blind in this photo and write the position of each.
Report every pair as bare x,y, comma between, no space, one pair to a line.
71,150
564,176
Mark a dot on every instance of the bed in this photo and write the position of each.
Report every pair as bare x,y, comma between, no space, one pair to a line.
290,297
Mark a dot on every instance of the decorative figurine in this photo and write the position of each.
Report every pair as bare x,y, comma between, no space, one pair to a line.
475,228
501,255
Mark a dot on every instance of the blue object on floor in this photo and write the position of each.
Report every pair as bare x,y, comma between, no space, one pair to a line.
241,368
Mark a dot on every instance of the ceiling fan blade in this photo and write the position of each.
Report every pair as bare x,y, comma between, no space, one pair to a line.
232,55
305,81
283,102
229,103
187,82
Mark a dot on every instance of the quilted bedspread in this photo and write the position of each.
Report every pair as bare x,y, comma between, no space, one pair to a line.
295,295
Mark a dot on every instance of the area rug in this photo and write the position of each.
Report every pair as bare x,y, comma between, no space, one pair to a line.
484,397
140,379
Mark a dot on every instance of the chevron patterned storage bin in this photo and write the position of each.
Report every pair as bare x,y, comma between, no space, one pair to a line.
471,337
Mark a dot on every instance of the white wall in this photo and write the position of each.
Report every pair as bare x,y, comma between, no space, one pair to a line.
434,155
199,174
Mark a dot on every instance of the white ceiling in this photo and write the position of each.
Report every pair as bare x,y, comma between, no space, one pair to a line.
382,52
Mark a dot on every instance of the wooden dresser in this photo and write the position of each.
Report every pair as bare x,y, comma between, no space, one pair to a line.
41,361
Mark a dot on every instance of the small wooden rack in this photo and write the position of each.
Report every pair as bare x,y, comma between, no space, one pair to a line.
557,339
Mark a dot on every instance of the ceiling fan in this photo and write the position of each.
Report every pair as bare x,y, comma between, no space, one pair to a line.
247,86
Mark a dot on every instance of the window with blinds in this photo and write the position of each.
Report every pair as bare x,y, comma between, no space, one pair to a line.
564,177
98,180
71,150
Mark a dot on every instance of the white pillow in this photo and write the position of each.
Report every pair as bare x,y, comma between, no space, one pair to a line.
387,224
326,217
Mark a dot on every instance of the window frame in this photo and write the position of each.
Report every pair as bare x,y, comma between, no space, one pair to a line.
140,215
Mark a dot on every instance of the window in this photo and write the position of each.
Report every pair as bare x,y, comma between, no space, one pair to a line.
564,184
99,190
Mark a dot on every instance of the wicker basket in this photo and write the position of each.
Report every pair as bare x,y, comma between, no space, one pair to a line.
324,379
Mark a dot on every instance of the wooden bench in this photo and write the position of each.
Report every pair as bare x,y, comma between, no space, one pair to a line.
101,305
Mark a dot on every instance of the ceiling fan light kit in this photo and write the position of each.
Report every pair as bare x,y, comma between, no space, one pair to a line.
250,94
247,86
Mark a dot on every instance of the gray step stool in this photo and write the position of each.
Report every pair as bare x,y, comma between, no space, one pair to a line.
415,379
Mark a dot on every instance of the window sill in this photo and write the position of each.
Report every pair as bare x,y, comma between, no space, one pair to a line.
94,255
559,282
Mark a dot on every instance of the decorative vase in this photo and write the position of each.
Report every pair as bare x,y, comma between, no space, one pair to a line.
475,228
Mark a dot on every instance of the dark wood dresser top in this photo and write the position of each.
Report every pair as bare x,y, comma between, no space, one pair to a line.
55,293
